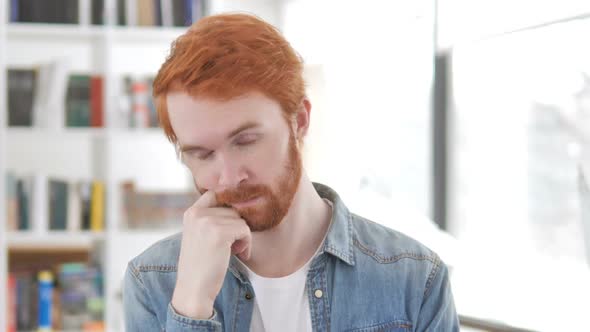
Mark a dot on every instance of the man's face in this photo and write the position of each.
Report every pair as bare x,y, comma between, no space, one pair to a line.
242,149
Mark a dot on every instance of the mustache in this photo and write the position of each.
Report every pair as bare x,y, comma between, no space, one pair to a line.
242,193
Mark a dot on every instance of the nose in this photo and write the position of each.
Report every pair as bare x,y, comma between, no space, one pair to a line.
231,173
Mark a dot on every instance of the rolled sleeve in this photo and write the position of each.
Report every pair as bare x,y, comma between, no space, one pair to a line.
178,322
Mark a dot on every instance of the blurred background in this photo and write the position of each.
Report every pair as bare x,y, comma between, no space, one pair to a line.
464,124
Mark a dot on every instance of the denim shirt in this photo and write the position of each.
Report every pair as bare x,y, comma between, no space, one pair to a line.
366,277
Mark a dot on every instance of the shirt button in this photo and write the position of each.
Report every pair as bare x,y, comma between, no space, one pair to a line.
318,293
248,296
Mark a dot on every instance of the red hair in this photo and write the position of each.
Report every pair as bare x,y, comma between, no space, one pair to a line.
224,56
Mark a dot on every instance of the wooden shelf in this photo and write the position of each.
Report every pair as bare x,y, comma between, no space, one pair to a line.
52,240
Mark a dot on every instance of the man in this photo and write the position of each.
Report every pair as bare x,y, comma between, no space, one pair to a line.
263,248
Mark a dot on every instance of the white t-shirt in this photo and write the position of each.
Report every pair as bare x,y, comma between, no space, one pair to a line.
281,304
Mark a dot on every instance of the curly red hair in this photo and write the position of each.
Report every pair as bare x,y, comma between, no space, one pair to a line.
224,56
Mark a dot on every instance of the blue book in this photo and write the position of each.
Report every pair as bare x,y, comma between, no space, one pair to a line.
14,11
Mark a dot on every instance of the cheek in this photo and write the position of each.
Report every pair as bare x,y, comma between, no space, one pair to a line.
270,161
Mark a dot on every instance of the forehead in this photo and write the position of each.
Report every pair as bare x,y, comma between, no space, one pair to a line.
202,120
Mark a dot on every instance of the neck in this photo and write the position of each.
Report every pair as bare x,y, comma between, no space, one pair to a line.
287,247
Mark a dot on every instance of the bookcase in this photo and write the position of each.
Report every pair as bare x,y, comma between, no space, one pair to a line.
111,152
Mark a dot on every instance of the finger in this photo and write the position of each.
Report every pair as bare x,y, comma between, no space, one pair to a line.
240,237
206,200
223,212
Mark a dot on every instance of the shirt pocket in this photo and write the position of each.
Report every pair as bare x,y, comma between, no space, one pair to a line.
393,326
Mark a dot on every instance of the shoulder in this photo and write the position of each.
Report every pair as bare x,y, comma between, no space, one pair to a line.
161,256
386,246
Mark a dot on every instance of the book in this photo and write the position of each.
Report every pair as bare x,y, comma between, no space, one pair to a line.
96,102
14,11
61,295
58,204
23,192
178,13
26,299
166,13
50,94
43,11
153,112
45,298
11,304
73,222
11,202
85,189
78,101
21,90
97,206
131,11
82,298
39,203
145,13
97,12
140,98
158,12
121,12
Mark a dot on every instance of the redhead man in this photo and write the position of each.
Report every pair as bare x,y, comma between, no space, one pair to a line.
263,248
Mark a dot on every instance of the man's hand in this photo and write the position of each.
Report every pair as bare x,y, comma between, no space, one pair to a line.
210,235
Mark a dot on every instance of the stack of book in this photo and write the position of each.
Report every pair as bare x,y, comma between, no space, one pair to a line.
154,210
166,13
136,108
76,303
42,204
49,97
44,11
129,12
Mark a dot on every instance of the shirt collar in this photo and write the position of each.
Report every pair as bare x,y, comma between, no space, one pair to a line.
339,241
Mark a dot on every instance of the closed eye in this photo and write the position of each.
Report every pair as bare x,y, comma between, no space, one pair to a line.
200,154
246,139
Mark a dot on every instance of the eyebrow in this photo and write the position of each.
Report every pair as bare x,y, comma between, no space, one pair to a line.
233,133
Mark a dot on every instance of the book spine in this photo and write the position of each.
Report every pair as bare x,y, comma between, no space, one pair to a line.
141,112
121,12
157,12
21,93
97,207
14,11
58,204
132,12
166,10
24,204
11,202
86,11
11,304
85,189
45,301
198,10
74,208
78,101
98,12
96,102
39,206
188,12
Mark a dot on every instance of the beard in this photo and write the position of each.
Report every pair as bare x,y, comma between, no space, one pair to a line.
273,203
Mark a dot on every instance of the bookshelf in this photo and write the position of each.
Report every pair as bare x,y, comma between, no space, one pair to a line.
111,153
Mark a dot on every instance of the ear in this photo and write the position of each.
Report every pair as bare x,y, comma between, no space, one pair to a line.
302,119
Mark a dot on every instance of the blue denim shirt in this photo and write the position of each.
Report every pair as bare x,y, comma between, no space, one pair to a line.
371,278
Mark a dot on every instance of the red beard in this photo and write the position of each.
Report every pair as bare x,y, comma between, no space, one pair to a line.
272,208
